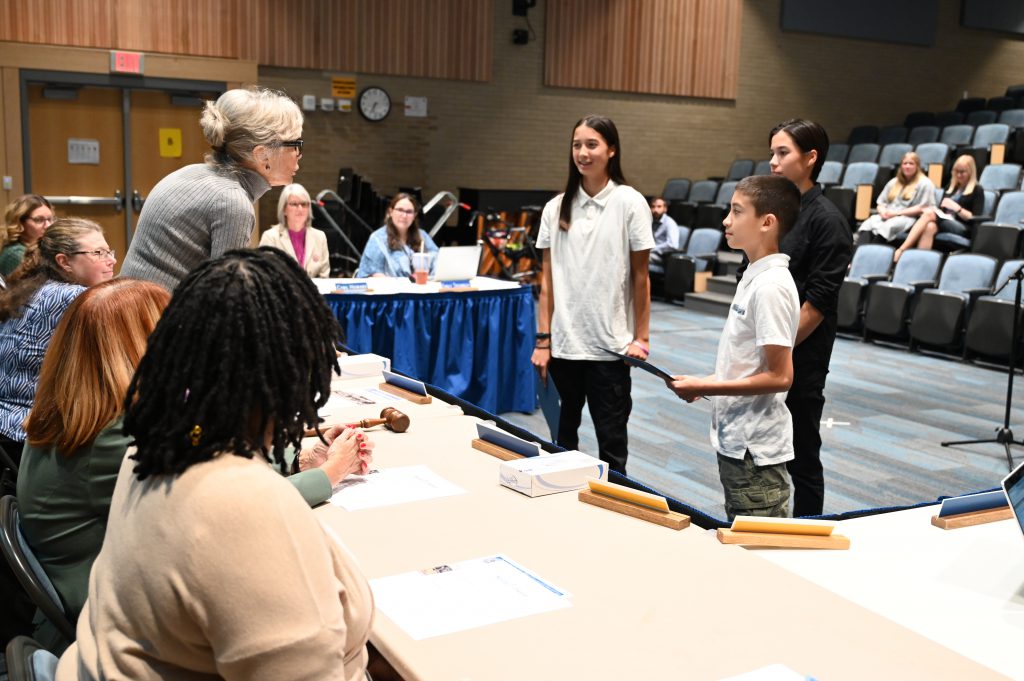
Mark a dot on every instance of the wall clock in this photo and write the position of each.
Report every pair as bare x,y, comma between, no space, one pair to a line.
374,104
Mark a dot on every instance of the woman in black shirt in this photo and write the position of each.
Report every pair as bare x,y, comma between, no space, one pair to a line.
964,199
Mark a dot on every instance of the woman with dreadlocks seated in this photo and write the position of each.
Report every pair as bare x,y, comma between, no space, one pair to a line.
212,564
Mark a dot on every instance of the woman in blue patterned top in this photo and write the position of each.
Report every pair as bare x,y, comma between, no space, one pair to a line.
388,252
71,255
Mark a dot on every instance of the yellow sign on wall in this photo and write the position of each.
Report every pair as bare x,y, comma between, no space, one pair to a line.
343,88
170,142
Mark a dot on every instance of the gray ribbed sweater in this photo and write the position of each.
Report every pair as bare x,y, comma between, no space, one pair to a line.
196,213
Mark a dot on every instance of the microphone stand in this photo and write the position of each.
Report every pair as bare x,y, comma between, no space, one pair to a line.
1004,436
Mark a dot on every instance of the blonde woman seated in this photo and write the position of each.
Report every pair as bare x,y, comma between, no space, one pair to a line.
294,235
964,199
902,201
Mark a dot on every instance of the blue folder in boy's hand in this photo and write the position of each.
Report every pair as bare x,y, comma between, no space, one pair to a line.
641,364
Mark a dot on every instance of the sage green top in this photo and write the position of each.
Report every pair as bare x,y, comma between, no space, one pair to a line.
10,257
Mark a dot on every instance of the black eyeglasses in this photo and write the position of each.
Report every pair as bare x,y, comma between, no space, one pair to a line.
295,144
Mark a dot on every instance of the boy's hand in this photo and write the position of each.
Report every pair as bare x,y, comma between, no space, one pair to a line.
687,387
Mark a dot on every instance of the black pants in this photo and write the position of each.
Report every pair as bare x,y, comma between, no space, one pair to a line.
805,402
605,387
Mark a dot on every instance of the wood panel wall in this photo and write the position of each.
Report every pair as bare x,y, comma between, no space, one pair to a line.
670,47
436,39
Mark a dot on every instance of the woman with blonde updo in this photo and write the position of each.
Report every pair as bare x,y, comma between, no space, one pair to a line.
203,210
27,218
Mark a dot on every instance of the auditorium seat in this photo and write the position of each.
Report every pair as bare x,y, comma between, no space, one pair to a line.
712,214
831,173
763,168
915,119
944,118
700,256
983,117
844,194
939,317
990,326
866,152
957,135
863,134
676,189
923,134
969,104
999,103
892,134
1000,177
740,168
891,156
685,212
984,137
837,152
871,262
933,152
1013,118
889,302
1001,237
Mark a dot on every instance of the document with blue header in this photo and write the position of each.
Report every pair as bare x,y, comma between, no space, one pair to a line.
444,599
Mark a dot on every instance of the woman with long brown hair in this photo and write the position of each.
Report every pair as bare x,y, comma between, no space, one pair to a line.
75,442
388,252
26,220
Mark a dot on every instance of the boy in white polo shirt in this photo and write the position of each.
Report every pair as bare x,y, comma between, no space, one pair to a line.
751,427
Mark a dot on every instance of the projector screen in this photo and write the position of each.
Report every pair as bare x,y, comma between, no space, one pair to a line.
1005,16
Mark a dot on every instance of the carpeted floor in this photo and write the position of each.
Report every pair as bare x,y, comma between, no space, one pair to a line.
886,412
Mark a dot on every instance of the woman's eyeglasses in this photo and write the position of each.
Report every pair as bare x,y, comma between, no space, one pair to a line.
294,144
99,254
404,211
41,220
298,204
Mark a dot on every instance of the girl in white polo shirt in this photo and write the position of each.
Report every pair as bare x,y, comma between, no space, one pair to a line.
595,291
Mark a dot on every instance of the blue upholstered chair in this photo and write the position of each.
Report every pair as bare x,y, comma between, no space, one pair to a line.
1001,238
763,168
1013,118
892,154
740,168
837,152
981,117
712,214
939,317
863,134
685,212
700,256
892,134
1000,177
871,262
866,152
957,135
29,661
990,326
831,173
888,302
923,134
676,189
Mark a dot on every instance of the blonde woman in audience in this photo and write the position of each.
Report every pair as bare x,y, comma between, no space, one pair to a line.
294,233
902,201
75,442
26,219
212,565
962,200
70,256
203,210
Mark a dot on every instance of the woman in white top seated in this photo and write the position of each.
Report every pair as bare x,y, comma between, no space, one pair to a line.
294,234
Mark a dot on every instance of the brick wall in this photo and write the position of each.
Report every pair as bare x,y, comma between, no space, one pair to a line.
513,132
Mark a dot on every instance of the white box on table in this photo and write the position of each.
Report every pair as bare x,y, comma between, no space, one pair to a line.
551,473
362,366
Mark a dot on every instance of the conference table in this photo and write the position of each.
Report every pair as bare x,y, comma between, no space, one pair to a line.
474,341
646,601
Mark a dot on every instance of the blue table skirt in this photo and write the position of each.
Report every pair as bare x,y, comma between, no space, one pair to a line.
474,344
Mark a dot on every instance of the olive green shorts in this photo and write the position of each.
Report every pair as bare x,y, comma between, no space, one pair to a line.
754,490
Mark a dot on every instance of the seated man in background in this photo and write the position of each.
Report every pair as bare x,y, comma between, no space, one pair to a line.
666,234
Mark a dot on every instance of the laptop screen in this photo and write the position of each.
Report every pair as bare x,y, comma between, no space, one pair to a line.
1013,485
457,263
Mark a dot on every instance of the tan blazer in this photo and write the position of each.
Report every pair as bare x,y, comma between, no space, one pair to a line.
318,262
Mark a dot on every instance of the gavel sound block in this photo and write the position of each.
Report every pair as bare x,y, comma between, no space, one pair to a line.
390,418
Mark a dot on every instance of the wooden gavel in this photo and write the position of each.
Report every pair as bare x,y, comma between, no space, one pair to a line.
390,418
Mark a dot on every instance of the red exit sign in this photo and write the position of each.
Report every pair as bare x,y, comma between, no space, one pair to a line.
126,62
